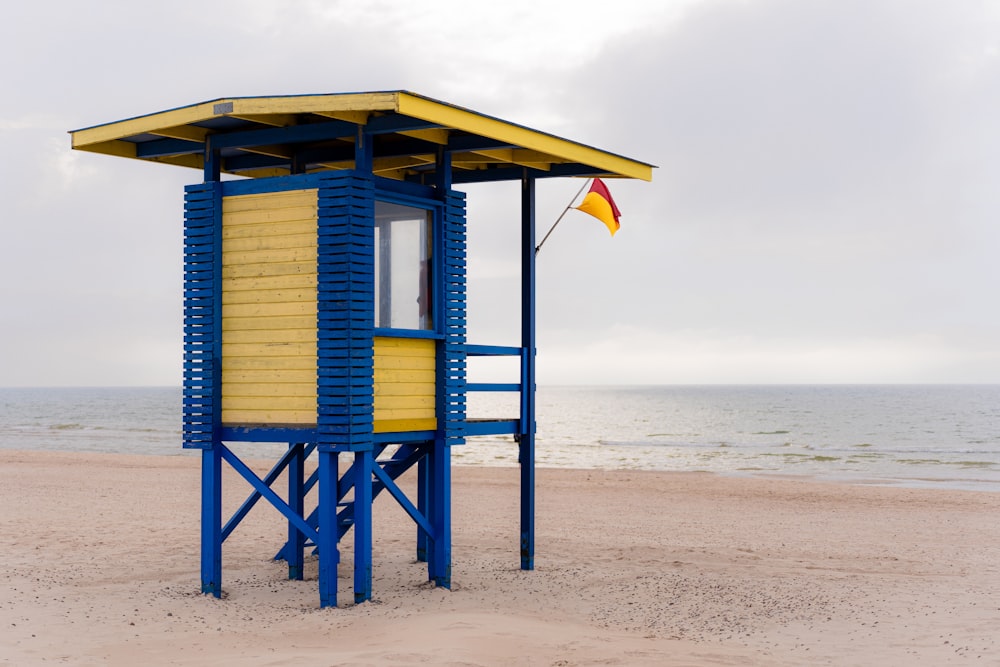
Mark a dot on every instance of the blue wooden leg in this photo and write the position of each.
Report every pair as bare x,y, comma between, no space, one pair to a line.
296,501
527,459
423,539
363,462
211,521
439,562
329,556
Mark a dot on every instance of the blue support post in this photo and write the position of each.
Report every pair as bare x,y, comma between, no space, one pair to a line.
211,522
363,462
526,441
329,556
345,350
296,501
439,558
423,539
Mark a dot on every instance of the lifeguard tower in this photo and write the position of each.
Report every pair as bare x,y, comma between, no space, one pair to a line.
325,304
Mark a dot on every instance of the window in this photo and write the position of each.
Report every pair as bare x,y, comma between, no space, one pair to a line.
402,267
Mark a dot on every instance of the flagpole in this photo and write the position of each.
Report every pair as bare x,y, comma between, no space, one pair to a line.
565,210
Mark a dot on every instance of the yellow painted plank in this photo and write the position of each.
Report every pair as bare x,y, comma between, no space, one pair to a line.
271,336
272,389
389,403
269,323
271,243
416,388
270,201
403,413
269,402
232,377
243,224
385,377
268,350
296,281
403,363
404,425
268,269
376,101
268,364
269,295
269,309
277,256
516,135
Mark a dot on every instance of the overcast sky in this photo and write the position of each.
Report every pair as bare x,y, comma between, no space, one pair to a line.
826,206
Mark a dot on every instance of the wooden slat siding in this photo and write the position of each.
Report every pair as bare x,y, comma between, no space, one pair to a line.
269,306
201,396
451,365
346,316
405,386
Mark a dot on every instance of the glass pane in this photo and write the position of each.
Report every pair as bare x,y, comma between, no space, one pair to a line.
402,266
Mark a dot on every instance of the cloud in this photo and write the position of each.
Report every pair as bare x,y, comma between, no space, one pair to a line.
824,170
825,192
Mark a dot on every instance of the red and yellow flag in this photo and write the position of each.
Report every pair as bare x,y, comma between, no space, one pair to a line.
598,203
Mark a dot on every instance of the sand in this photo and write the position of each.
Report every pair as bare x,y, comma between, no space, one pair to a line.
100,567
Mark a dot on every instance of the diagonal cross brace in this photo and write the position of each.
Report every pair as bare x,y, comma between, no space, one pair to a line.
266,491
252,499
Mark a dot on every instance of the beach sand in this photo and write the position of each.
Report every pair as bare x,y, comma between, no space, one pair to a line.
100,567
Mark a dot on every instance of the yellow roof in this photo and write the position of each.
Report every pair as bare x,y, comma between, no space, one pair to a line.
266,136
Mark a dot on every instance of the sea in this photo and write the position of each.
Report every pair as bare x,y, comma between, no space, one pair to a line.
936,436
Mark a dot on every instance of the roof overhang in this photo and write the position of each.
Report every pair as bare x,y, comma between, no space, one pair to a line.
274,136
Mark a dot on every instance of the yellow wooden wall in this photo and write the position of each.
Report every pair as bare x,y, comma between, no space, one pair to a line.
269,308
404,385
269,324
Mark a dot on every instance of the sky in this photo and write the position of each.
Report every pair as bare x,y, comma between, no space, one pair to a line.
824,210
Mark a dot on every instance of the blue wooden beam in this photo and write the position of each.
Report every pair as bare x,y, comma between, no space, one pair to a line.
363,469
165,147
211,522
296,502
329,556
526,441
493,386
493,427
293,134
492,351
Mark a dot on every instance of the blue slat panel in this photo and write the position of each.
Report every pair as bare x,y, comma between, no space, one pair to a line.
202,211
451,358
346,317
